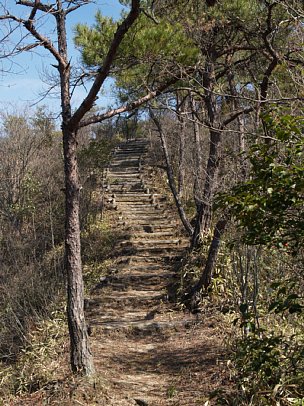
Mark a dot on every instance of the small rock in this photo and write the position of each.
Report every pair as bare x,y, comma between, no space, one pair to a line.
148,229
141,402
151,315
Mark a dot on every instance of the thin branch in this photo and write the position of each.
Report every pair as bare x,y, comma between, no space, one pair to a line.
76,6
234,115
178,203
45,42
268,31
241,97
28,24
237,48
37,4
151,17
12,17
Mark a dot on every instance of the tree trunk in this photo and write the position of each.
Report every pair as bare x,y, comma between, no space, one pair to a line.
171,180
80,355
206,277
81,358
198,155
204,212
236,103
204,215
181,160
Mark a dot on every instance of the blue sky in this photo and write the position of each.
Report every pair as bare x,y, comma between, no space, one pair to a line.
23,88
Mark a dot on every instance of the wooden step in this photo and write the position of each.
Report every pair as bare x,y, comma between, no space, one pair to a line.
157,224
117,169
119,181
124,175
138,211
144,216
152,251
147,228
139,327
154,235
132,295
175,242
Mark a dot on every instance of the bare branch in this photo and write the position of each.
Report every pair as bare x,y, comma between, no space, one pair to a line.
76,6
129,106
37,5
234,115
44,41
11,17
28,24
270,30
151,17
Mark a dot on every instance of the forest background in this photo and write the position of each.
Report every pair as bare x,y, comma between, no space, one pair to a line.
217,87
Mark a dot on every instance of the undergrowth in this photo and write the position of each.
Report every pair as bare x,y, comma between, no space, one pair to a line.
189,271
260,295
39,372
40,361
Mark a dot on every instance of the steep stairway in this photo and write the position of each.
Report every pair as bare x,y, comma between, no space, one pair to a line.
131,319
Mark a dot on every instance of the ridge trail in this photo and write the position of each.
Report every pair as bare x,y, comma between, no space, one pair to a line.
149,352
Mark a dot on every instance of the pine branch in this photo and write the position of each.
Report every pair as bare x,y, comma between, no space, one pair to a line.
104,70
97,118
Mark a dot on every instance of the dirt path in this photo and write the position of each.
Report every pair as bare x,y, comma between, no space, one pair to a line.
148,352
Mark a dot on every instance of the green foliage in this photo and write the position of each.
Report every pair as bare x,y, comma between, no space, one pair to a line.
37,364
145,51
268,209
269,359
171,391
271,368
284,301
240,13
95,156
269,206
146,42
94,42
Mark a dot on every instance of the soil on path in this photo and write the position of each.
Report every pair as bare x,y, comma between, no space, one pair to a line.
149,352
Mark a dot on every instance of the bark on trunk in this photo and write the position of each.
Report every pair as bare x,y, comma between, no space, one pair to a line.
204,213
171,180
81,357
181,160
206,277
181,163
236,103
198,155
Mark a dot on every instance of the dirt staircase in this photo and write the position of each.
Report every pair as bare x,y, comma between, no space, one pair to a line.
140,342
